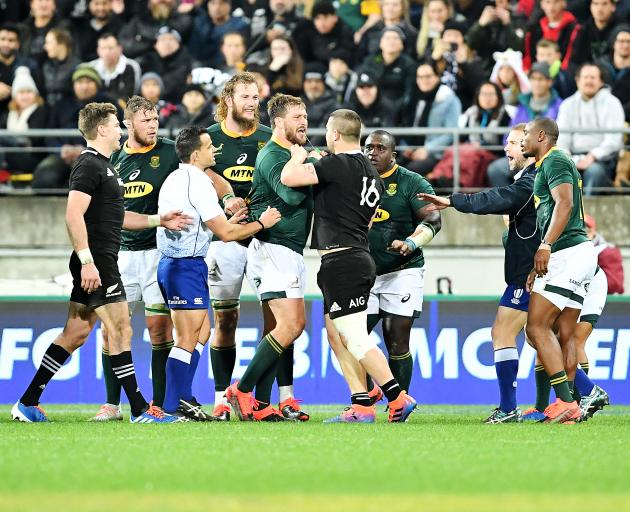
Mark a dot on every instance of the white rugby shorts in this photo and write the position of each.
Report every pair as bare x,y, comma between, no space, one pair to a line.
595,298
398,293
138,270
226,268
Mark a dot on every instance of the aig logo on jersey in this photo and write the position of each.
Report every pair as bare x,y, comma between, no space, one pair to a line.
518,293
137,189
381,215
239,173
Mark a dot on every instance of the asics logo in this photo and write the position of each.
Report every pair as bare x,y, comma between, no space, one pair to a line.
406,298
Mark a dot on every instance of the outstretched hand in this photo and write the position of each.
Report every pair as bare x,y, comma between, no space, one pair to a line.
400,247
175,220
437,202
239,216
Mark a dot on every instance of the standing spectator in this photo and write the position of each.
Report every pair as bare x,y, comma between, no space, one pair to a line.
394,13
432,105
558,25
494,31
99,20
393,69
608,257
617,67
138,35
195,109
340,78
593,105
326,32
59,66
594,40
280,19
209,26
171,61
373,108
508,74
549,52
120,75
434,15
319,101
43,17
284,68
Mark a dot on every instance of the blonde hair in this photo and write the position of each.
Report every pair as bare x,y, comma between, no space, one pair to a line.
92,116
245,78
423,35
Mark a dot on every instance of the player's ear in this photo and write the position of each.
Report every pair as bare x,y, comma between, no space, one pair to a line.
127,124
394,155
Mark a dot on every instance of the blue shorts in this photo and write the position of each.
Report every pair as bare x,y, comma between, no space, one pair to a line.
515,297
184,282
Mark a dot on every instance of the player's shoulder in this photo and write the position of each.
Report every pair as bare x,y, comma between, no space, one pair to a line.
214,129
90,157
163,142
263,130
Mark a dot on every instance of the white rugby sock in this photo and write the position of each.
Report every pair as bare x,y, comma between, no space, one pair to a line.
285,392
219,398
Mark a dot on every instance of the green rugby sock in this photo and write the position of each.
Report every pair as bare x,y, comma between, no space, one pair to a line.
402,368
543,387
265,384
222,360
284,374
112,384
584,367
561,386
266,356
159,356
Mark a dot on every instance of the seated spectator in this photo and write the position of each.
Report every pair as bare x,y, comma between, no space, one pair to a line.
367,101
393,69
59,66
549,52
394,13
617,67
120,75
340,78
43,17
138,35
434,15
316,38
285,68
593,105
558,25
195,109
432,105
151,87
319,101
210,25
494,31
279,19
459,69
26,111
359,15
594,39
171,61
233,49
99,20
508,74
487,111
609,257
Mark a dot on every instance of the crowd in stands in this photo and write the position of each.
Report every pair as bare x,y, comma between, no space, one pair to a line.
407,63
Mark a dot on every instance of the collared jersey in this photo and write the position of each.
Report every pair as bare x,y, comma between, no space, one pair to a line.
556,168
143,172
396,219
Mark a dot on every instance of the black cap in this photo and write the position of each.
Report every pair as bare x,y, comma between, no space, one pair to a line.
542,68
324,7
454,25
624,27
397,30
195,87
314,71
365,79
341,54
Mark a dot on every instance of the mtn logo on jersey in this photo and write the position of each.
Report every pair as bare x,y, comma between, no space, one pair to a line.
391,189
137,189
381,215
154,161
239,173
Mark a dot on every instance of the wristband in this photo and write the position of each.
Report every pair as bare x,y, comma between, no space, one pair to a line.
424,237
154,220
262,226
227,196
85,256
411,244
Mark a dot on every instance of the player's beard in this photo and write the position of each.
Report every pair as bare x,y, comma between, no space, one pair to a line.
294,138
144,141
243,123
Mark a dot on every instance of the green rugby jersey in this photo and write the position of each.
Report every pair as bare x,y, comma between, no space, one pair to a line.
395,219
556,168
295,204
236,154
143,171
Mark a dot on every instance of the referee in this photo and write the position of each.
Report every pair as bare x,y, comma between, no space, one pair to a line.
347,191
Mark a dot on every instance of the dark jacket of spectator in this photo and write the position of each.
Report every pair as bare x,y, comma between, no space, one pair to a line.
173,70
319,109
490,38
316,47
619,81
468,76
33,37
58,78
88,35
370,41
592,43
382,112
395,80
180,117
564,33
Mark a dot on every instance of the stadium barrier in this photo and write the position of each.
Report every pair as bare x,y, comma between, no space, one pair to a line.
450,344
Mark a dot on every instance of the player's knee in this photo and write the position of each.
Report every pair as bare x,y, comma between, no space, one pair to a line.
534,334
71,340
226,320
159,331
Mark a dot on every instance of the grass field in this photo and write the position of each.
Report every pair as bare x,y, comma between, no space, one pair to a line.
444,459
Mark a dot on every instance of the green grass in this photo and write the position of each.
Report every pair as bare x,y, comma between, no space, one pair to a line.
443,459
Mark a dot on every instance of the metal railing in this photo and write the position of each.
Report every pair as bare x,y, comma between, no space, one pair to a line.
399,132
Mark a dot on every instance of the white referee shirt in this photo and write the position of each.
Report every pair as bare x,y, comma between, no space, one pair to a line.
188,189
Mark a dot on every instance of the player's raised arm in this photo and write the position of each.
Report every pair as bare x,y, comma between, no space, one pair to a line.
175,220
295,172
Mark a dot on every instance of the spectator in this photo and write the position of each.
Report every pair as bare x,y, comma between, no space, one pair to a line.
393,69
316,38
60,65
10,60
26,111
617,67
594,39
151,88
434,16
120,75
549,52
494,31
459,69
319,101
99,20
395,13
264,94
233,49
487,111
558,25
138,35
43,17
469,11
285,68
367,101
508,74
340,78
209,27
593,105
359,15
433,105
195,109
608,257
171,61
280,19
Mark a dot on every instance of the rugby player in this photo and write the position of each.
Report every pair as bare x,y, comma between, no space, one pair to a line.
347,191
563,262
275,263
182,270
95,215
516,200
237,137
